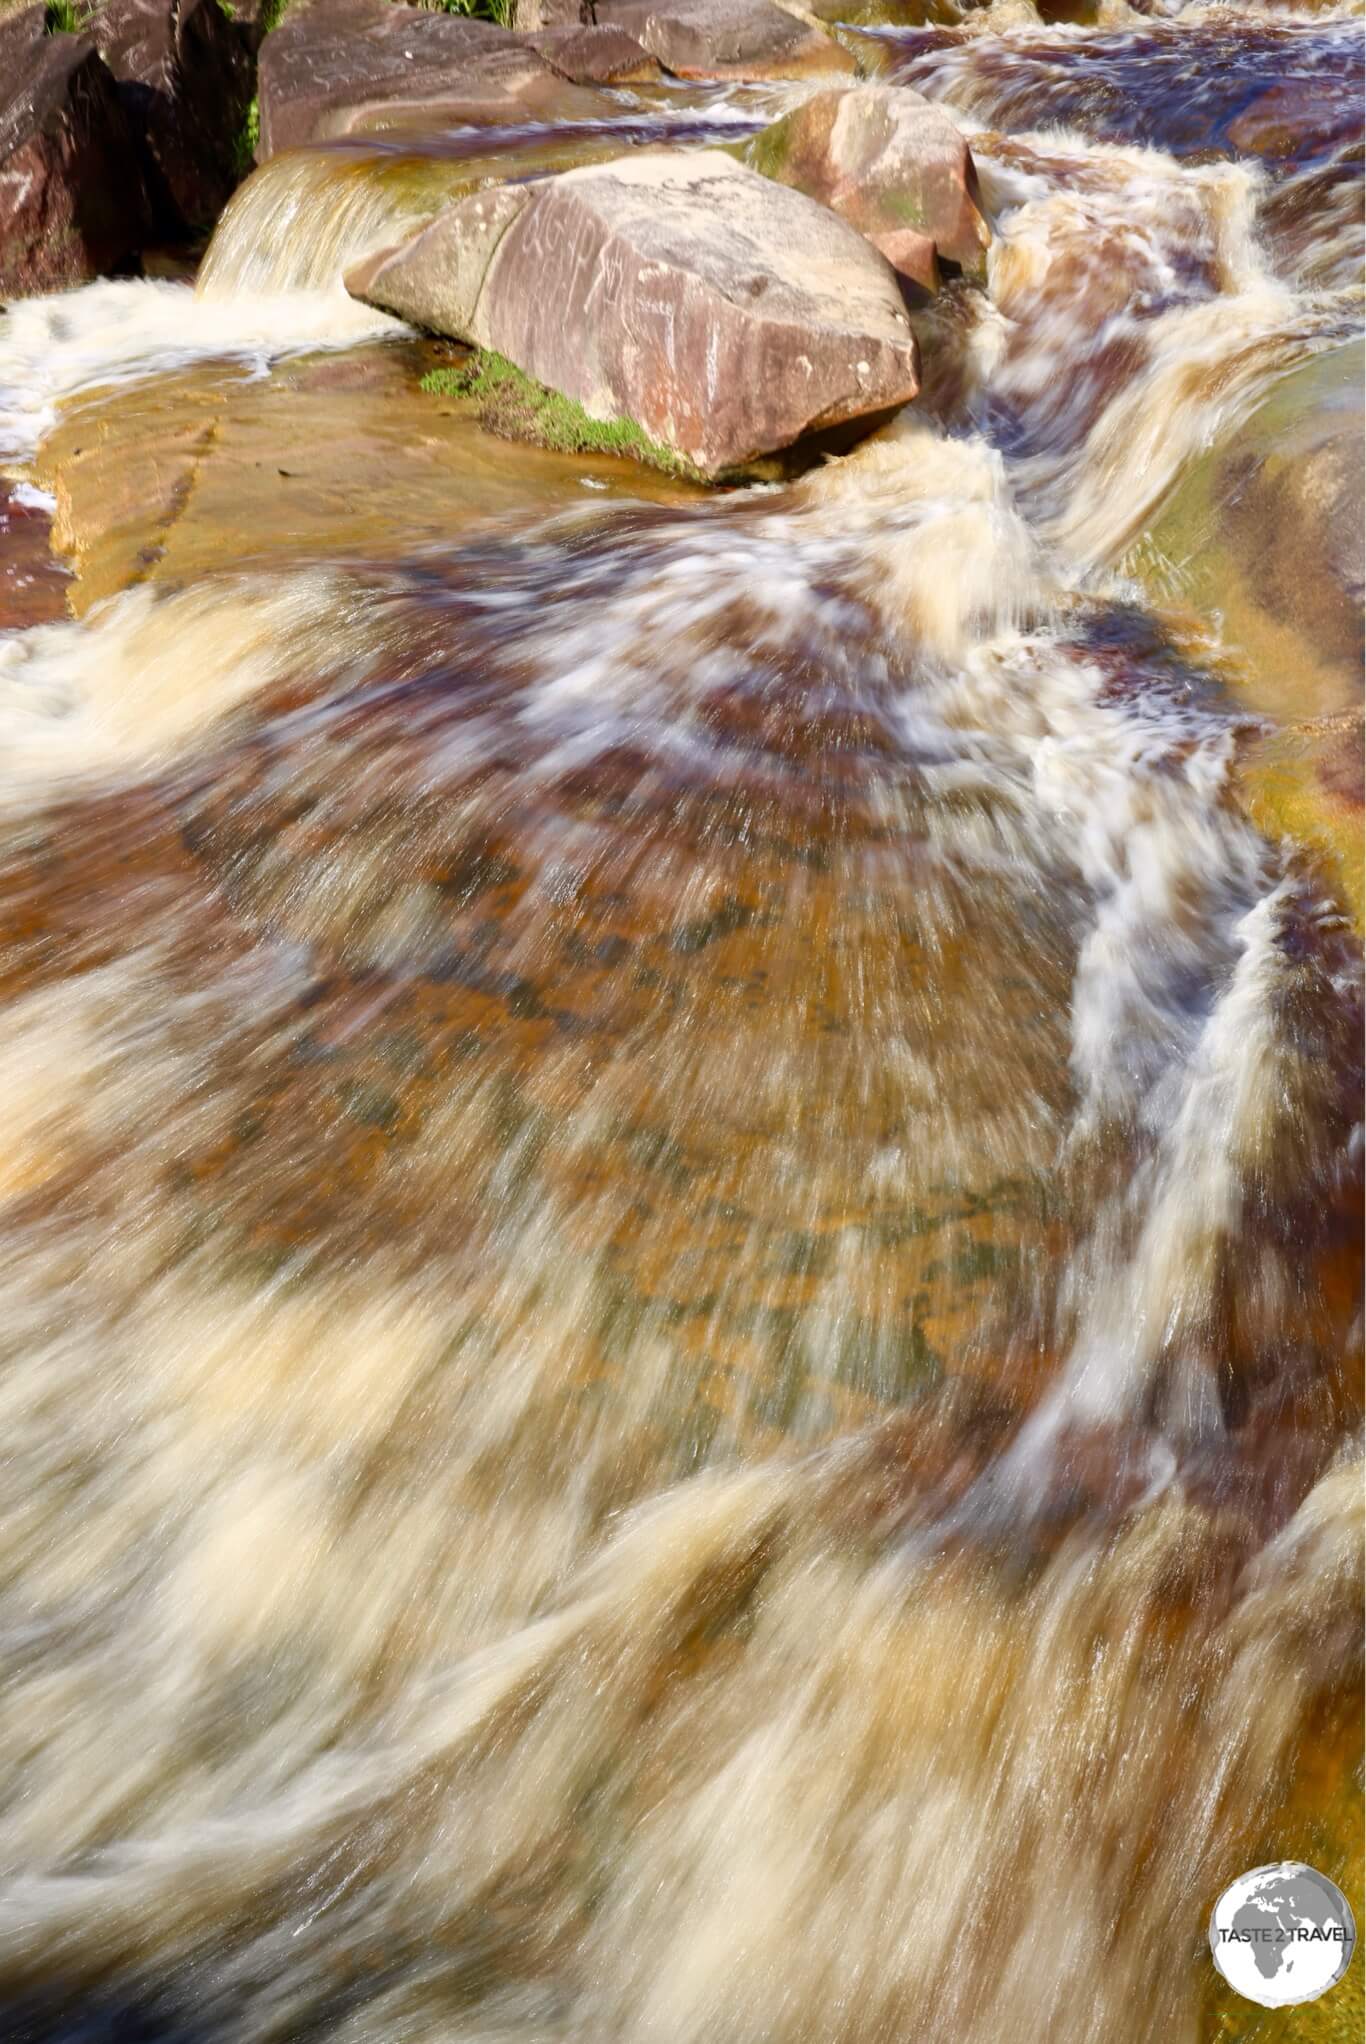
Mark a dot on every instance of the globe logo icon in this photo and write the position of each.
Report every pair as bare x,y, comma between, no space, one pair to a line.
1282,1934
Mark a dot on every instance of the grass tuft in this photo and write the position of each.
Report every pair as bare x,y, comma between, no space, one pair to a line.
516,407
65,17
499,12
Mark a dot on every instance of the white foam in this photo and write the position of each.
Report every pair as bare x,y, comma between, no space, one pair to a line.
130,330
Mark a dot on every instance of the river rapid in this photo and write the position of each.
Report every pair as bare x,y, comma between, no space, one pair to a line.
681,1209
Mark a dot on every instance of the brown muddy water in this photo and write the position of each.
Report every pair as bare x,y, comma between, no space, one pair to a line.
680,1252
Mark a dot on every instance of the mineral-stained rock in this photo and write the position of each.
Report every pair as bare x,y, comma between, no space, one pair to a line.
1266,532
595,56
891,164
724,314
72,197
185,78
337,67
726,38
1305,782
1265,535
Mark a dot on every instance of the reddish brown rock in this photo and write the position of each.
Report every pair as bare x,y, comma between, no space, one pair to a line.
595,56
185,78
73,202
891,164
1296,118
33,584
724,314
726,38
336,67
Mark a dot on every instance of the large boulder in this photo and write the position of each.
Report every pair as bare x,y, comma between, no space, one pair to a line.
185,77
726,38
339,67
73,201
595,56
891,164
723,314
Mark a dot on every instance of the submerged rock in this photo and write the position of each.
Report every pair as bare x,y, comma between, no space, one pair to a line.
185,78
726,38
338,67
1267,532
723,314
1265,538
73,201
1305,782
892,165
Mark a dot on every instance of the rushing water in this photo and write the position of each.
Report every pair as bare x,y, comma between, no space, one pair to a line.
680,1247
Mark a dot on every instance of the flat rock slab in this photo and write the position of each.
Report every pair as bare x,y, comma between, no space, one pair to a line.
893,165
73,201
726,38
724,314
339,67
212,468
185,77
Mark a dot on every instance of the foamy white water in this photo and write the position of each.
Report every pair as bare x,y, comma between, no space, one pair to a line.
128,331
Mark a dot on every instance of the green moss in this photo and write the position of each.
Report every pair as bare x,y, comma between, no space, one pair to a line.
906,209
768,151
248,135
518,408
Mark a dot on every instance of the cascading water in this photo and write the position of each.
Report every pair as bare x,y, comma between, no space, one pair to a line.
681,1362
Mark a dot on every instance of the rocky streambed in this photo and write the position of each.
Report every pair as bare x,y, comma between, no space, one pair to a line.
680,1017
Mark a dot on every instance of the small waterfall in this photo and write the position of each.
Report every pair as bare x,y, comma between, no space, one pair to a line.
303,219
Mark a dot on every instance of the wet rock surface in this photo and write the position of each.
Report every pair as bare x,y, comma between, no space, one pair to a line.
1256,90
33,584
1265,536
1267,532
724,315
216,468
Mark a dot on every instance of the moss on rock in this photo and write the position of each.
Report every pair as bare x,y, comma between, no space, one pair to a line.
516,407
